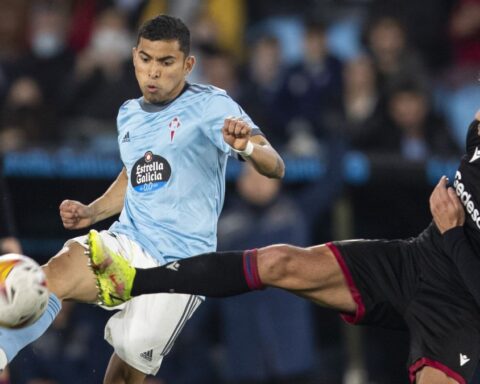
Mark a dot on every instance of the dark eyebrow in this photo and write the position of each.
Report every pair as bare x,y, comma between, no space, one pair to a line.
159,58
144,53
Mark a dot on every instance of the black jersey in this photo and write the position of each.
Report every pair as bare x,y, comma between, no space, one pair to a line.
467,185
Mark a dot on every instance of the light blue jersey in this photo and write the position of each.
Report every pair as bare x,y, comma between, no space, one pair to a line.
175,158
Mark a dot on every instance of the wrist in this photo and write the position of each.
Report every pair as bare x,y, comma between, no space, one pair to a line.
92,212
247,151
451,238
453,233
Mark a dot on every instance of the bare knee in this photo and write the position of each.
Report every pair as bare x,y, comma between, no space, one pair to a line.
68,275
277,263
55,271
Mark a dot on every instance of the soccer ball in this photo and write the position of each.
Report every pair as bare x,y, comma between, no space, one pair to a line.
23,291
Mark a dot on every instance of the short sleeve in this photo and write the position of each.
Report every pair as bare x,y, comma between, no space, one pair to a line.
218,108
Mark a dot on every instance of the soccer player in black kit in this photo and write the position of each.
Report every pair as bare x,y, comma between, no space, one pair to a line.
428,285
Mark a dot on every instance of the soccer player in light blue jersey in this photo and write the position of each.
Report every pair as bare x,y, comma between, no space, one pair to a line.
174,143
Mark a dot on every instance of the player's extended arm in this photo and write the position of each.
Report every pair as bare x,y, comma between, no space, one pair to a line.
449,217
255,149
76,215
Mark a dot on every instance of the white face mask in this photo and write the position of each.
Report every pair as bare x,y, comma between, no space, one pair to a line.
46,44
110,41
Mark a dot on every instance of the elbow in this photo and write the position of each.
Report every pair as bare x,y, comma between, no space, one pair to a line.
279,171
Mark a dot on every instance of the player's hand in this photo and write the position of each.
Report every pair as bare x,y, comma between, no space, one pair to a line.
76,215
236,133
445,206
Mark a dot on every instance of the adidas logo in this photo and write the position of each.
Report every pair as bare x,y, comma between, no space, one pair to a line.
147,355
126,138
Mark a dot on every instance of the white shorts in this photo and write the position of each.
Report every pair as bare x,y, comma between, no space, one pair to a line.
145,328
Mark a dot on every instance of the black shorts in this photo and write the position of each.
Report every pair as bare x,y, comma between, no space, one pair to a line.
412,285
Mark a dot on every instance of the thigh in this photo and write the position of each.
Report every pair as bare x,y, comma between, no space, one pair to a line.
68,275
313,273
429,375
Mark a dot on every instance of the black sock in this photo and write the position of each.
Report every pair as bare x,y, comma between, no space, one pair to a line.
216,274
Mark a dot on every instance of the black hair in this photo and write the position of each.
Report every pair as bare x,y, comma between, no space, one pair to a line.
406,85
315,26
164,27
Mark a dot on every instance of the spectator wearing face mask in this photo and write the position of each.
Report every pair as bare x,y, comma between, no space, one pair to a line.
49,59
12,26
101,81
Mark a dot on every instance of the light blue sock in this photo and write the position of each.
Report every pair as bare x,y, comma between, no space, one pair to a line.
13,340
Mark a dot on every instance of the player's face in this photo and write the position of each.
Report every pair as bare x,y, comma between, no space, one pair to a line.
160,68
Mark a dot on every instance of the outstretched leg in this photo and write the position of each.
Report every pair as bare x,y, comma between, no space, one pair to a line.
313,273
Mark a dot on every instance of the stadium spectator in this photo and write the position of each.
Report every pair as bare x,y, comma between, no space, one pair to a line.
409,128
260,86
412,129
427,31
49,60
387,43
25,119
363,103
465,34
220,69
309,101
12,41
101,82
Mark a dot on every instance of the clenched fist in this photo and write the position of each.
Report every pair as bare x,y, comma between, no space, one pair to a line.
76,215
236,133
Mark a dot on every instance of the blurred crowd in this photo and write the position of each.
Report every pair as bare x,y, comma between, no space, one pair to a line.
396,79
390,76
